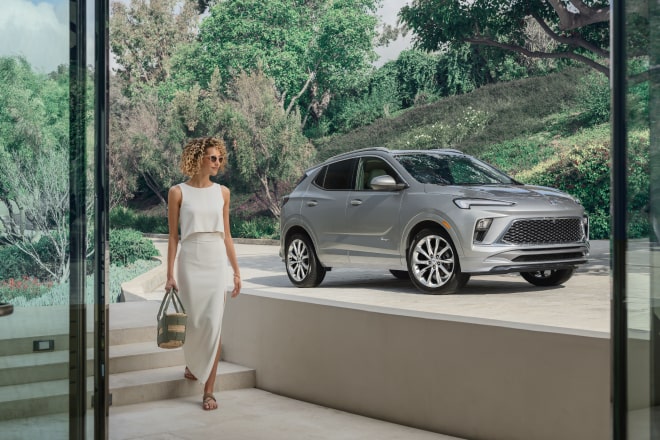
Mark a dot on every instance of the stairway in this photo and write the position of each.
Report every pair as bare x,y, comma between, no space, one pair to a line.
36,383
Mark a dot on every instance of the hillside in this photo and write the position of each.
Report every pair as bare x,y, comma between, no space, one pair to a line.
512,109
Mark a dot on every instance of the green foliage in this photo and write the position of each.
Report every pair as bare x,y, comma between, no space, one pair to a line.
512,115
416,77
17,264
128,245
25,287
126,218
381,100
505,24
256,227
312,50
143,36
519,154
593,99
59,293
442,134
584,172
267,143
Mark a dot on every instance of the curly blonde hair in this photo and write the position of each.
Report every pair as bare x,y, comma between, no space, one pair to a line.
194,151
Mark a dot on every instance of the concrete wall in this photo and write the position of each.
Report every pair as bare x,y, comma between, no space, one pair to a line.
474,379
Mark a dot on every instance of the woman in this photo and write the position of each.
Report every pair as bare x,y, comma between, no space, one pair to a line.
201,209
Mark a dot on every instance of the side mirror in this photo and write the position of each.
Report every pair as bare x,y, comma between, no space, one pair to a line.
386,183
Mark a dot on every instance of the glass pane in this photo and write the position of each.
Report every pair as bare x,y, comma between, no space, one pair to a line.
36,264
642,262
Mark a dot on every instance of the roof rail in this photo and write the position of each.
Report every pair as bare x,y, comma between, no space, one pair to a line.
339,156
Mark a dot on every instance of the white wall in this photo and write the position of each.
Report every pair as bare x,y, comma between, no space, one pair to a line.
470,378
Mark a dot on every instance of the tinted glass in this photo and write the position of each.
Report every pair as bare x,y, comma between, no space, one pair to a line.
337,176
451,170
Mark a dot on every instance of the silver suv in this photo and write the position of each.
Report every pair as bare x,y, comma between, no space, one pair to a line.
434,216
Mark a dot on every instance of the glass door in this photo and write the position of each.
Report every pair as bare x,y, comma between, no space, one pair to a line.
52,219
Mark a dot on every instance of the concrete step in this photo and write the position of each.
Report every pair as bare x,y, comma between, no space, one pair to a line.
37,367
52,396
167,383
143,356
36,383
37,398
54,365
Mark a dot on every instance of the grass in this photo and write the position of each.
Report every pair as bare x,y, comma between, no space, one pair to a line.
517,108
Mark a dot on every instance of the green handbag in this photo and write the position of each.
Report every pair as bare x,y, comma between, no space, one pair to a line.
171,326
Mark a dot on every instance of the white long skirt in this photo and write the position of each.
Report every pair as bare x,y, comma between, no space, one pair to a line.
202,279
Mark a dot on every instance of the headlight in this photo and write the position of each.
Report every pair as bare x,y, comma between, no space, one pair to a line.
468,203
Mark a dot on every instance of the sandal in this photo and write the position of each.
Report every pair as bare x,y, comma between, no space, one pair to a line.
188,375
206,402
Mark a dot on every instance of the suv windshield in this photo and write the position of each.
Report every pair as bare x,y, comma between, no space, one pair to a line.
445,169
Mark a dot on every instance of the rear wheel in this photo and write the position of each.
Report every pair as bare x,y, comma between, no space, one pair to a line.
433,264
546,278
302,265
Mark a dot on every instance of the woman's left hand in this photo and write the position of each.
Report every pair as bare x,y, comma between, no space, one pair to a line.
237,286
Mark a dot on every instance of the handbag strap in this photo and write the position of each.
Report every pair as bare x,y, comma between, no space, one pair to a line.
171,295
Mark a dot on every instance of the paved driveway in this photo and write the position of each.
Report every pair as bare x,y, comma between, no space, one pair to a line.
581,304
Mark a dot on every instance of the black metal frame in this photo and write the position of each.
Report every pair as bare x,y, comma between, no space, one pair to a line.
78,74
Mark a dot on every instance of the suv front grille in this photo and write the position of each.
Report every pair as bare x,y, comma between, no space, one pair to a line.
544,231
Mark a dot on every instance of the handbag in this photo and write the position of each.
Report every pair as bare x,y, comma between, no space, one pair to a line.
171,326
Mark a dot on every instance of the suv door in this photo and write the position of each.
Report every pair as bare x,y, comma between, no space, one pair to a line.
324,208
373,216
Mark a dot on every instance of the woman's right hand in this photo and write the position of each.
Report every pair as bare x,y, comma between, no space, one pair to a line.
171,284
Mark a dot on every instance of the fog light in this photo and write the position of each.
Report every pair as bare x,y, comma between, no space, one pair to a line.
481,228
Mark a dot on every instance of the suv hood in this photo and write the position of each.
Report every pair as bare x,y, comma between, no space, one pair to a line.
521,195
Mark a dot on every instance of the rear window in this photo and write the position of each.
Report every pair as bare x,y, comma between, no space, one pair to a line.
336,176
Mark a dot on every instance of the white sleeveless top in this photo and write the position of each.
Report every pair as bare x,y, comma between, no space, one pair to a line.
201,210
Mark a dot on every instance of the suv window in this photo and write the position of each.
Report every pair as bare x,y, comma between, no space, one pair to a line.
336,176
369,168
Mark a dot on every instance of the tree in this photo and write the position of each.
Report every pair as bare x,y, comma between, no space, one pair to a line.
143,148
580,28
267,144
145,34
313,49
34,176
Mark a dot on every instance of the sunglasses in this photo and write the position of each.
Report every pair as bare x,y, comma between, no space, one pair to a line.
215,159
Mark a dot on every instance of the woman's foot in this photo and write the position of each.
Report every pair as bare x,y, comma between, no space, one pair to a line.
208,402
188,375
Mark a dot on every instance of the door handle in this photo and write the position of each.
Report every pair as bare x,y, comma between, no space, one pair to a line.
356,202
312,203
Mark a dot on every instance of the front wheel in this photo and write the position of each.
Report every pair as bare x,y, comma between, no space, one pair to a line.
546,278
433,264
302,265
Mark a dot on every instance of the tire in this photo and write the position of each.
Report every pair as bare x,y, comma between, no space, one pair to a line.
302,265
546,278
433,264
400,274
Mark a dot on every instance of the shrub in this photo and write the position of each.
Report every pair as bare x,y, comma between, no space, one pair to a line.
59,294
27,287
518,154
257,227
126,218
442,135
584,172
128,245
17,264
593,99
